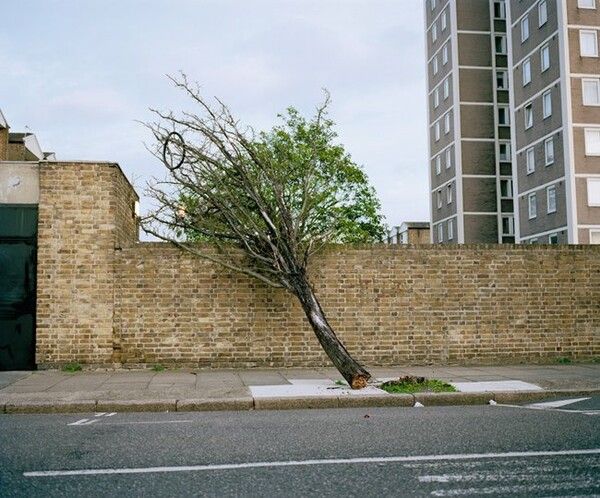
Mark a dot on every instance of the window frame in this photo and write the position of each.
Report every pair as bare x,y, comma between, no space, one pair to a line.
447,123
438,198
501,4
504,111
591,202
445,54
553,239
435,65
532,205
440,232
436,131
530,160
551,206
547,104
542,13
528,115
511,225
545,57
501,76
434,33
596,82
581,6
524,28
549,146
449,194
448,158
526,69
597,232
451,229
437,161
506,157
589,150
436,98
594,34
446,87
502,39
444,20
510,193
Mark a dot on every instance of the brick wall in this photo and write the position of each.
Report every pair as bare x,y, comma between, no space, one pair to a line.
104,299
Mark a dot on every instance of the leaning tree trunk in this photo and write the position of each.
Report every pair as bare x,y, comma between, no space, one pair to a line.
351,370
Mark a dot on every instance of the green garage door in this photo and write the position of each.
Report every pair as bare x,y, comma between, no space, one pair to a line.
18,243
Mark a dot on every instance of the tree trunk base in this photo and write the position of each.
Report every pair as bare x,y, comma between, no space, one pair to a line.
359,381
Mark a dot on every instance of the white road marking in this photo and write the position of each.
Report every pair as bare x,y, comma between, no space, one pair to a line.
299,463
84,421
557,404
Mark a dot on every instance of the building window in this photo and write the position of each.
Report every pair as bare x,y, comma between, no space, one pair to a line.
438,198
503,116
448,158
524,28
433,4
436,130
545,57
506,189
499,9
543,12
438,164
549,151
435,65
592,141
504,151
530,160
450,229
446,87
502,80
588,43
593,191
436,97
444,20
500,41
547,104
594,236
553,239
586,4
434,33
528,116
591,91
526,72
447,123
445,54
449,194
440,233
532,205
508,225
551,199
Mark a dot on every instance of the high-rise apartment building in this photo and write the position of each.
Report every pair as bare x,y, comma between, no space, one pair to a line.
514,114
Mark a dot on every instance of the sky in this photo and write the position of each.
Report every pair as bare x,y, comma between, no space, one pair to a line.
82,75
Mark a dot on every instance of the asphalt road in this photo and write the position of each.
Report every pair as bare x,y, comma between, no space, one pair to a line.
454,451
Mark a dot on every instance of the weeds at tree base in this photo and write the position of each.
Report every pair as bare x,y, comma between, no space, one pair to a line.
71,367
410,385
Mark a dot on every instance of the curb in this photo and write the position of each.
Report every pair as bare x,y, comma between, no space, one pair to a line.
290,403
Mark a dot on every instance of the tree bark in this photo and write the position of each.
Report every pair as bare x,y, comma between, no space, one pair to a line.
351,370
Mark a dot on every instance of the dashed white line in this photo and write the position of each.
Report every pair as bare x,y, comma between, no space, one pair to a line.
299,463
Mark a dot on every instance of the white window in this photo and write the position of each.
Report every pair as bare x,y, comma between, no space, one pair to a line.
448,158
532,205
545,57
549,150
434,33
435,65
449,194
436,130
586,4
528,116
447,123
593,191
432,4
526,71
594,236
502,80
500,41
444,20
504,151
591,91
450,229
446,87
438,164
547,104
436,97
503,116
499,9
524,28
438,197
440,233
508,225
445,54
506,189
551,199
588,43
543,12
530,160
592,141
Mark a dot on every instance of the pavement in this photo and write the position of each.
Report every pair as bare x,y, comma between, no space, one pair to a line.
53,391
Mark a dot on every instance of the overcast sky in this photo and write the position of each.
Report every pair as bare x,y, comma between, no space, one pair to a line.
80,74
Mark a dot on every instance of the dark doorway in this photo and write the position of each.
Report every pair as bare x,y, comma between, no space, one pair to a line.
18,245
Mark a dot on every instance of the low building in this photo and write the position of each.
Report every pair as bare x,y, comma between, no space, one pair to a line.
410,232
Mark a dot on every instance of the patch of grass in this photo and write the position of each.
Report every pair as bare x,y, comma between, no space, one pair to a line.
158,368
409,385
71,367
565,360
340,383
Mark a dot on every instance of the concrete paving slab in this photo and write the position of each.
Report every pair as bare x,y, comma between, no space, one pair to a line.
492,386
8,378
311,388
262,377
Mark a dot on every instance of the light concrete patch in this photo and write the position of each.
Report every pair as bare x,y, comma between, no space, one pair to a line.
494,386
310,388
